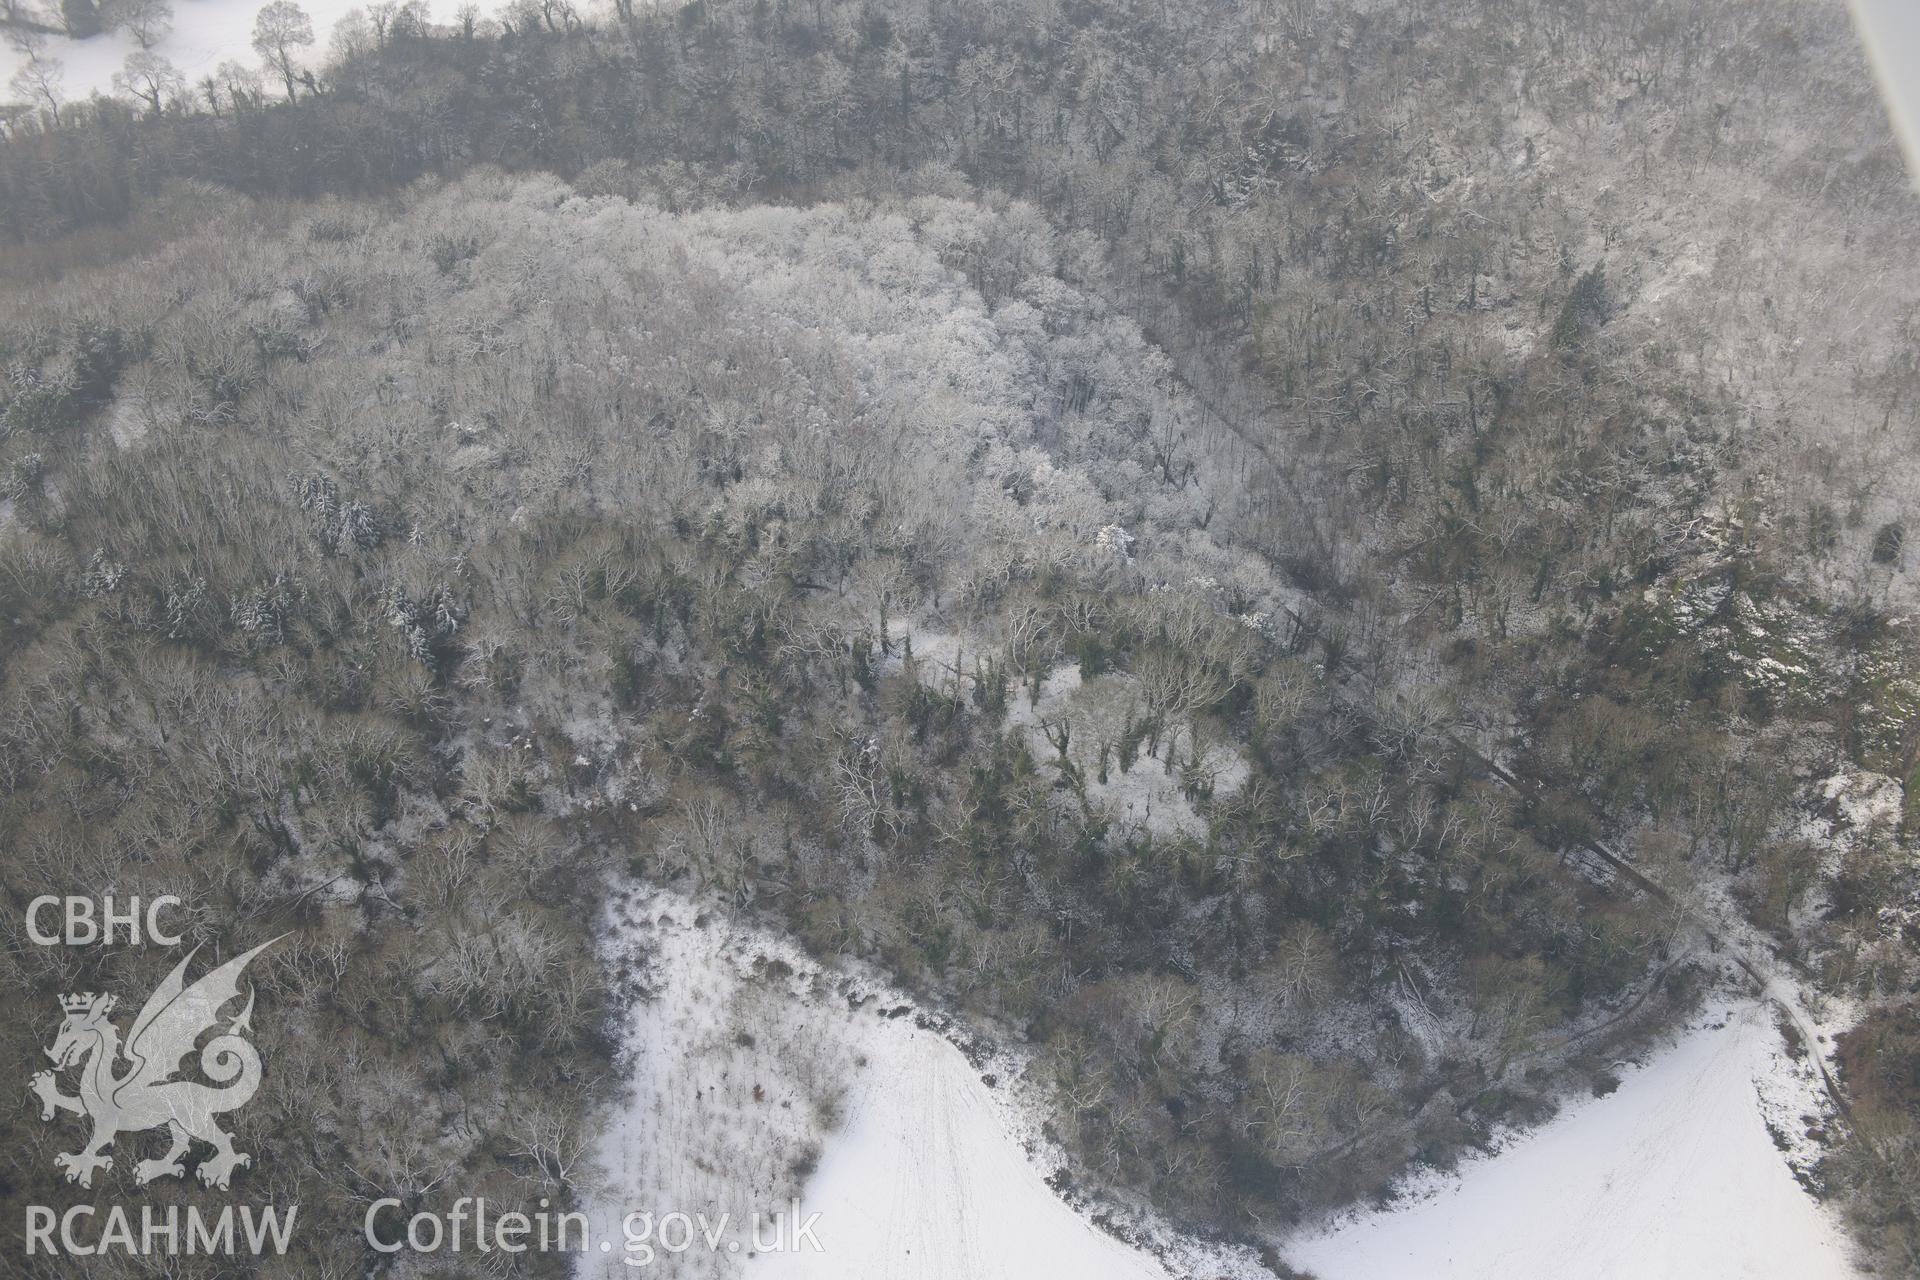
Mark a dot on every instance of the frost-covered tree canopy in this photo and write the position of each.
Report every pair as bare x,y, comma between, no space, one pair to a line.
1314,572
855,561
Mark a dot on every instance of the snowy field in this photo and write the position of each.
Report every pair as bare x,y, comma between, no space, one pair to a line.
924,1183
747,1053
205,34
1672,1175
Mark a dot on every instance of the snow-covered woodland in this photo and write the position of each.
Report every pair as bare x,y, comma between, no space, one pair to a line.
1292,623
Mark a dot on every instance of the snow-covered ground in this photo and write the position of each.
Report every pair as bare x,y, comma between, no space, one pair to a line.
1674,1174
205,34
758,1075
747,1055
925,1183
732,1068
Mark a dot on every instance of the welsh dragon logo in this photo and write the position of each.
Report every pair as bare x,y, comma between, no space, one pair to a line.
145,1095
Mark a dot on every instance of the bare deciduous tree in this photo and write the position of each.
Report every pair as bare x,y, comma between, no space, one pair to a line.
280,31
149,78
38,81
147,21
